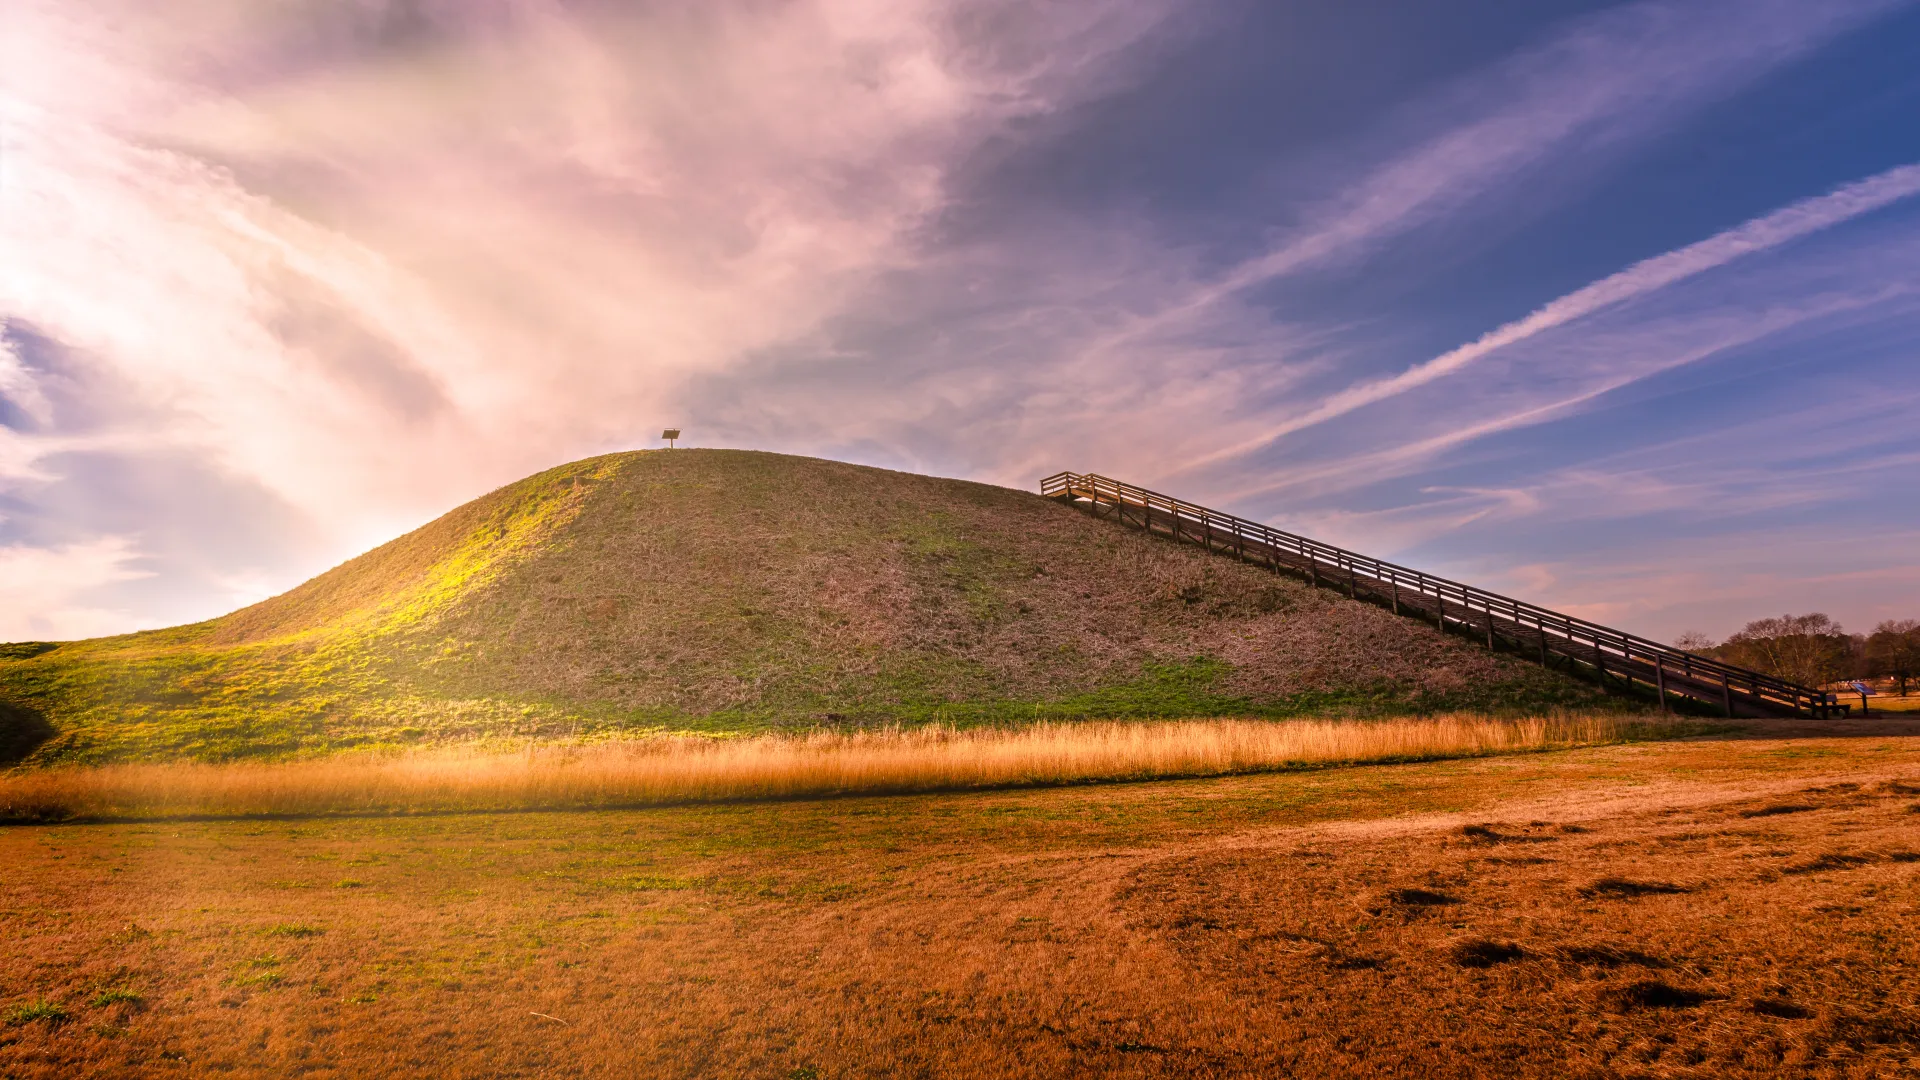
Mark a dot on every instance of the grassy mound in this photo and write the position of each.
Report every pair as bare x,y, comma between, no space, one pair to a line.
737,591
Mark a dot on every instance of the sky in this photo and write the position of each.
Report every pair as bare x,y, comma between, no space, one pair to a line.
1612,307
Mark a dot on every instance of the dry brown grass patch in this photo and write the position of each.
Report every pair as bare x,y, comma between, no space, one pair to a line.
680,770
1607,956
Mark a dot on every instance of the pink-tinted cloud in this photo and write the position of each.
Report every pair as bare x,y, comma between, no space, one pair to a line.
379,258
56,593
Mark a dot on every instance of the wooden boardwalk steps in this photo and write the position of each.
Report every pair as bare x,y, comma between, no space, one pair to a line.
1619,660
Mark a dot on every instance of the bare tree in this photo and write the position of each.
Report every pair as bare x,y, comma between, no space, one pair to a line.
1811,650
1695,642
1893,649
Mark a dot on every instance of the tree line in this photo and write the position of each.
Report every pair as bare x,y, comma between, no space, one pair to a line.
1813,650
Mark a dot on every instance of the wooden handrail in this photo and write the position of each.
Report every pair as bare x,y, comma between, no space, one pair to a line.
1349,567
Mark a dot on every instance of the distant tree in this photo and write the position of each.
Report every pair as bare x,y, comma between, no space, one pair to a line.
1694,641
1893,649
1811,650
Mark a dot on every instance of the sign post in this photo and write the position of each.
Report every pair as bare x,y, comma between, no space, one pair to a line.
1864,695
670,434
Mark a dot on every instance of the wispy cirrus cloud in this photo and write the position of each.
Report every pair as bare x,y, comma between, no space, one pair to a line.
1620,75
1693,485
1702,527
1080,334
1761,234
1584,367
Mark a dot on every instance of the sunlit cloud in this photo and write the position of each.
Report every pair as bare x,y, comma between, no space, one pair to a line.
55,593
377,260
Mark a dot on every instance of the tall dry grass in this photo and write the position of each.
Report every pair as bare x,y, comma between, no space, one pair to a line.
678,770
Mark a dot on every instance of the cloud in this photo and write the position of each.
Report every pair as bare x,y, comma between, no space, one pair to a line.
1603,81
341,266
1771,230
51,592
1584,369
24,403
1062,341
1701,527
1663,588
377,258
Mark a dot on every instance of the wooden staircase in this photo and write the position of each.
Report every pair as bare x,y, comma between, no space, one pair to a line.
1620,661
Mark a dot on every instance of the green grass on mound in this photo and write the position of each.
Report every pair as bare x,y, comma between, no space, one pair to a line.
731,591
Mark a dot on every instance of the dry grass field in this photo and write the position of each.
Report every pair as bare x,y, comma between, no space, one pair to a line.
1888,704
1723,906
667,770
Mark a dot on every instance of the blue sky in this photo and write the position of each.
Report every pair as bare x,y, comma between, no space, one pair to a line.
1615,307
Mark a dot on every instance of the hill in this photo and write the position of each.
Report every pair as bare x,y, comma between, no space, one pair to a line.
724,590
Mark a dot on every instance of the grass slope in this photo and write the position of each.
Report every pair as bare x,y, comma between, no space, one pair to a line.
741,591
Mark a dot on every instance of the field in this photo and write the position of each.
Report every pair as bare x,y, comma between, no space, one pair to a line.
1888,703
1738,904
668,770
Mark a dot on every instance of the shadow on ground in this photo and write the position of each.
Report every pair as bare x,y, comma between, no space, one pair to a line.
22,730
1802,728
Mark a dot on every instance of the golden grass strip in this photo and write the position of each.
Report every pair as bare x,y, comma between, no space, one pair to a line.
678,770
